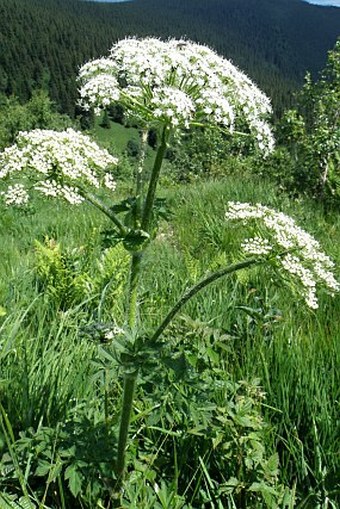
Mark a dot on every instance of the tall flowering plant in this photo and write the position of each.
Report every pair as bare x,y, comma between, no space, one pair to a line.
173,85
176,84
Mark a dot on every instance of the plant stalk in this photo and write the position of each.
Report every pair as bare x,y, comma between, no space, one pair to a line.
150,197
146,214
129,390
103,208
136,259
139,177
135,269
191,292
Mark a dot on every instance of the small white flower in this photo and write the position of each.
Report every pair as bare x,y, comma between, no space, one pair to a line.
173,106
99,90
257,246
112,333
59,162
305,261
109,182
176,82
16,195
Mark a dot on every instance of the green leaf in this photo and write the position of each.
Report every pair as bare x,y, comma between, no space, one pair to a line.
75,479
124,205
135,239
231,486
261,487
110,237
55,471
25,503
177,364
272,467
244,420
10,502
43,468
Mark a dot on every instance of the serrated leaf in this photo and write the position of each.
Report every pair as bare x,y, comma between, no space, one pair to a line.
9,502
25,503
244,421
272,466
231,485
75,479
43,468
111,237
261,487
135,239
218,440
177,364
212,354
55,472
124,205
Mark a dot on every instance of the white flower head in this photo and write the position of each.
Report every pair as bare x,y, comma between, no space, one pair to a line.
256,246
113,332
16,195
176,82
56,164
173,106
298,253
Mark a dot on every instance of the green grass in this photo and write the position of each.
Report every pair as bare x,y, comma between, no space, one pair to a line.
116,137
55,377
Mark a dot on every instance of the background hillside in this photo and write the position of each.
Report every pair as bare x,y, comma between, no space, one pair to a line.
43,42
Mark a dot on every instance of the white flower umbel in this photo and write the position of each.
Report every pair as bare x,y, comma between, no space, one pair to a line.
16,195
178,83
298,252
256,246
56,164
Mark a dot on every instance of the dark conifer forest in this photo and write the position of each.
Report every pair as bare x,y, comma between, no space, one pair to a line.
43,42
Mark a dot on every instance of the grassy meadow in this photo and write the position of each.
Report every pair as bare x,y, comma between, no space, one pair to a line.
240,405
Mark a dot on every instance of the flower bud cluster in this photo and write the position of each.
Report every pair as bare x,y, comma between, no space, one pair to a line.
56,164
298,252
177,82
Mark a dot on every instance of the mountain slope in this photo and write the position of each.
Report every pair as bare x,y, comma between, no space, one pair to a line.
43,42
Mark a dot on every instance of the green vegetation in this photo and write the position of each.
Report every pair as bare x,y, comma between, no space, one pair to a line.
312,132
115,135
237,406
61,392
43,42
38,113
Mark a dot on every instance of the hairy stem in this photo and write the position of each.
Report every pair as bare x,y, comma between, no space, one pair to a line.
150,197
136,259
135,270
145,225
129,390
139,177
191,292
103,208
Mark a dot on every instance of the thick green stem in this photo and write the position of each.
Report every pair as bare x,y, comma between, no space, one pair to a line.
136,259
145,217
139,177
129,390
150,197
198,287
103,208
145,225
